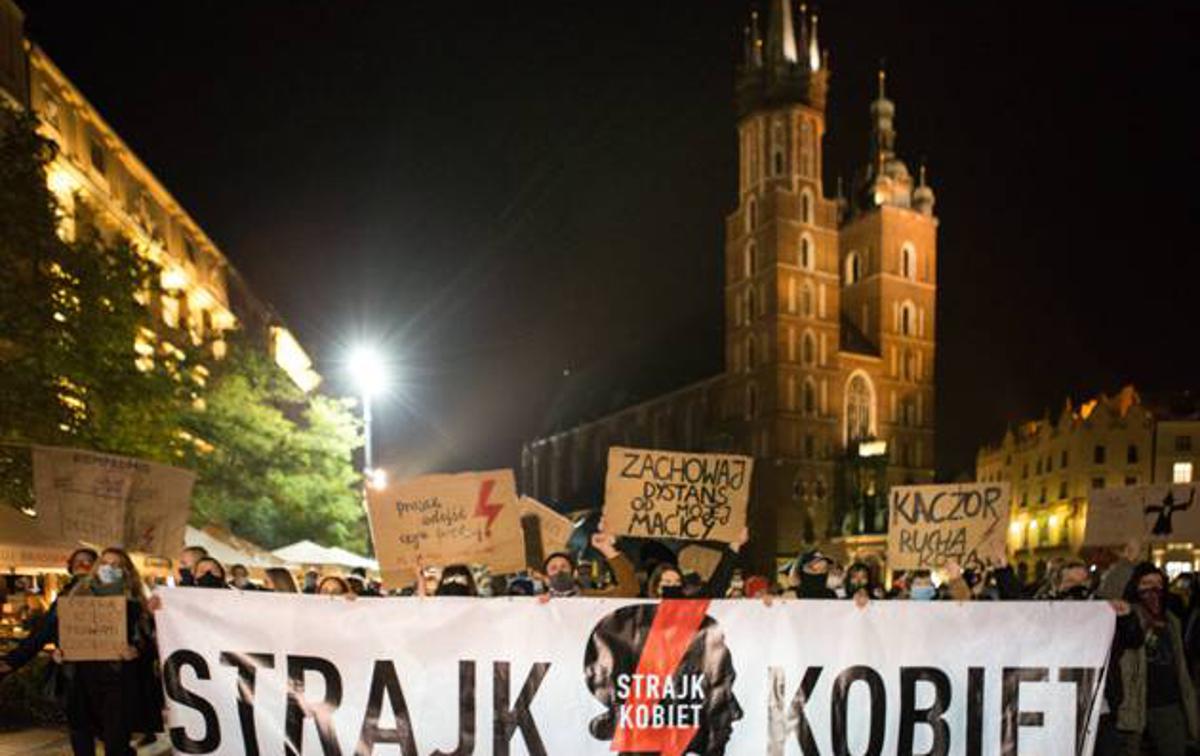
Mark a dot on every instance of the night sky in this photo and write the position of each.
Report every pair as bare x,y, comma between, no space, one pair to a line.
525,201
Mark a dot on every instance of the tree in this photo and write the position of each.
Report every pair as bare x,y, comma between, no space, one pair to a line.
280,467
70,311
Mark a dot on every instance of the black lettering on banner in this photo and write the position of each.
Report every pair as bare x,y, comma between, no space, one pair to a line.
910,715
466,711
180,741
840,722
991,495
506,721
247,668
299,708
1012,719
796,713
1085,695
974,711
384,683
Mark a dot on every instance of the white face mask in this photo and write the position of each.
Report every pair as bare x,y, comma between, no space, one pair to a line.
834,582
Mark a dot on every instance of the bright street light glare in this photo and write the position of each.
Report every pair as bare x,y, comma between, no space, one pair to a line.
367,369
378,478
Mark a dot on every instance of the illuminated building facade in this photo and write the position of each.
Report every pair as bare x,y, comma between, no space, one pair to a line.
100,183
1054,464
829,323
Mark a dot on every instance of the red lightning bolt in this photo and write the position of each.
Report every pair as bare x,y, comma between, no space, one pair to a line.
483,508
675,626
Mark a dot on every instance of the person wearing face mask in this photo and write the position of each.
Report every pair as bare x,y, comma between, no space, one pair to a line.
187,563
1159,702
809,577
311,578
457,580
561,582
209,574
79,566
921,587
859,582
110,700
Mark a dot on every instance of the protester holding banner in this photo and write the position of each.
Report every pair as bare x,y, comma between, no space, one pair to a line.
280,580
187,563
457,580
561,580
809,577
209,573
1159,702
335,585
111,699
241,579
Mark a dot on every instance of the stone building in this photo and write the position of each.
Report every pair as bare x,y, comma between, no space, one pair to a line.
1054,464
829,322
103,187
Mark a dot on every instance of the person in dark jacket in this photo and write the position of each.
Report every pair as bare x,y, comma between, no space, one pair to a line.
79,566
187,563
110,700
810,576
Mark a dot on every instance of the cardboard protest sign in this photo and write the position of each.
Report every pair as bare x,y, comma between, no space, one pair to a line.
92,628
699,559
653,493
108,499
1146,513
445,519
556,528
931,526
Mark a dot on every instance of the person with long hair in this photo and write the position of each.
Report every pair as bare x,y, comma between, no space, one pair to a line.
109,700
280,580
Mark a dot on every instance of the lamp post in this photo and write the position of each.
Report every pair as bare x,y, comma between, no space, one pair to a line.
369,372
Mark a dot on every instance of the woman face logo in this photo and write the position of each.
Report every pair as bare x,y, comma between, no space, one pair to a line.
665,677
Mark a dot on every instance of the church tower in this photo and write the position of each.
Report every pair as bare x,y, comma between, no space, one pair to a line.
782,259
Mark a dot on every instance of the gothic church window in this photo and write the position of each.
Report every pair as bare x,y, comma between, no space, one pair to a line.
810,397
806,299
853,271
907,318
860,402
751,214
807,258
806,206
908,262
751,401
749,260
808,349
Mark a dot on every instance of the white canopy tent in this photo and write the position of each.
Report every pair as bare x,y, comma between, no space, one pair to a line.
228,553
306,553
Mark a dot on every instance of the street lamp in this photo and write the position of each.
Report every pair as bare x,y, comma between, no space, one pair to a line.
369,372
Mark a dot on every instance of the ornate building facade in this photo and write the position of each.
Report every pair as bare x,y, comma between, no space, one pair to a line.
829,322
102,187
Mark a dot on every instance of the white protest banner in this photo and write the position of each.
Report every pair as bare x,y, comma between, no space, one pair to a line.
445,519
92,628
1147,513
930,526
107,499
248,672
653,493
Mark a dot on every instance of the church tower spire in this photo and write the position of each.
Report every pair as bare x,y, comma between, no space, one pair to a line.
787,68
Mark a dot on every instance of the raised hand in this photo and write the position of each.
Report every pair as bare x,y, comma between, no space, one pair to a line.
737,543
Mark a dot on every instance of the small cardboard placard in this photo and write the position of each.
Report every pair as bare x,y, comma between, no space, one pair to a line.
92,628
931,526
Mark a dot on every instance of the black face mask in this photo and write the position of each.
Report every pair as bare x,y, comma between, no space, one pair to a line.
813,583
210,580
453,589
186,577
1076,593
670,591
856,586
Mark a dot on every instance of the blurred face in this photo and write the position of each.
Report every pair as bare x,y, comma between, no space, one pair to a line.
112,560
921,582
817,567
858,578
1074,575
1151,582
188,558
331,588
670,579
81,564
240,574
558,564
208,568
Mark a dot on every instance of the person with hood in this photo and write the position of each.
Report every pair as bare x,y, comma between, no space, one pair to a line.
79,566
187,563
561,580
1158,702
110,700
809,577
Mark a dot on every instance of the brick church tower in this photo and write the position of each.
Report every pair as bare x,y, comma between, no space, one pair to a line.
829,324
829,304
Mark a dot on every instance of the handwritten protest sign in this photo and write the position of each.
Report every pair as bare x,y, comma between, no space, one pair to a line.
663,494
92,628
553,530
1146,513
445,519
931,526
108,499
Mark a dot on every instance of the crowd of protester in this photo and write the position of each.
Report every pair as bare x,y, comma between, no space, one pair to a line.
1149,698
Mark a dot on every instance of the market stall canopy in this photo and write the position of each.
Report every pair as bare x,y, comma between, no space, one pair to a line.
305,553
24,546
228,549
